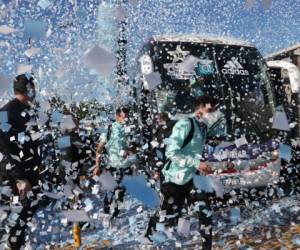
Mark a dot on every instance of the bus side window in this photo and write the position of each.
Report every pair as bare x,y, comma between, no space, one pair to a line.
277,82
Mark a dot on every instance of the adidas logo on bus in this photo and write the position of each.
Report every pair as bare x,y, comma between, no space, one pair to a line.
233,67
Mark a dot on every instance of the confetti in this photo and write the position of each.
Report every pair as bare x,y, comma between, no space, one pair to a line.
76,215
23,68
5,30
100,60
31,52
44,4
35,29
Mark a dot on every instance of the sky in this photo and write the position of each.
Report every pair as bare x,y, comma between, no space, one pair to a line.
72,27
268,27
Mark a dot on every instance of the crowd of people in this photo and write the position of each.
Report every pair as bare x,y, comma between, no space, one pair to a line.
39,158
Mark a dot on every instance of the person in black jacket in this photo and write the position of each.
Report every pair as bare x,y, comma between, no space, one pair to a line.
20,147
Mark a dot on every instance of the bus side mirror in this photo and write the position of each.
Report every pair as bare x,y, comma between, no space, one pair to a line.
146,65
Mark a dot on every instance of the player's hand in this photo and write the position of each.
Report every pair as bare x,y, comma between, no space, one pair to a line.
96,171
125,154
23,187
204,168
156,175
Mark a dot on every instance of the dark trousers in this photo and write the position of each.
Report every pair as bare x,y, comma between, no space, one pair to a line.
17,228
117,195
18,231
175,198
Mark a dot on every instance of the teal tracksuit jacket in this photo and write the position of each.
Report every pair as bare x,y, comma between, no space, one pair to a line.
184,161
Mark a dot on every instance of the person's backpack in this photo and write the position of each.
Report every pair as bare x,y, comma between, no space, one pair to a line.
163,132
104,154
160,153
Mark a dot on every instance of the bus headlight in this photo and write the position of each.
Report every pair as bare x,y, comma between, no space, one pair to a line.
146,65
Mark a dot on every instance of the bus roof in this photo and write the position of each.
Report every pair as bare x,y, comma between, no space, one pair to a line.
294,47
201,39
281,64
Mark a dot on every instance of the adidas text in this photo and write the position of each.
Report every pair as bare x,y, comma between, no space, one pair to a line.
235,72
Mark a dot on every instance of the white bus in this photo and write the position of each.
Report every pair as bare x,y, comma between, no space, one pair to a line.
176,69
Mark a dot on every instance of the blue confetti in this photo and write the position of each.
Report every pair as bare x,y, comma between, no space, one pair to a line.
138,188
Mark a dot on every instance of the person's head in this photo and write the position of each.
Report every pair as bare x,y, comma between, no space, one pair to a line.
24,88
163,118
203,105
122,114
206,110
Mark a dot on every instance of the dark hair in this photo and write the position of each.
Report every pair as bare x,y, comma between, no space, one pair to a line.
163,116
203,100
123,109
21,82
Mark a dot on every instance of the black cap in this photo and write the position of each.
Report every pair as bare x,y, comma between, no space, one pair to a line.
124,109
21,82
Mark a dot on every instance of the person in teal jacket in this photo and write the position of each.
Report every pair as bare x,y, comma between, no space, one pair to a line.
112,154
184,150
184,161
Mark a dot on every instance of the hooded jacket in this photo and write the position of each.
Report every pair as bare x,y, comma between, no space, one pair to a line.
184,162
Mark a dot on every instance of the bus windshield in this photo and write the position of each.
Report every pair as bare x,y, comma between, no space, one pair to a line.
235,75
